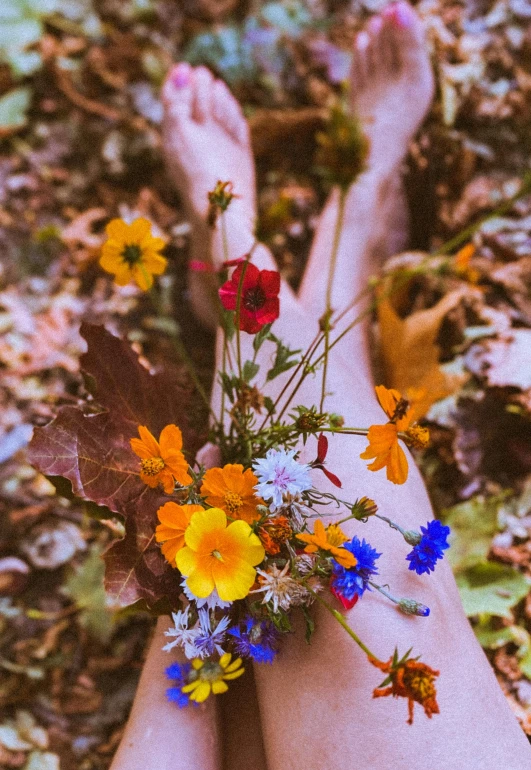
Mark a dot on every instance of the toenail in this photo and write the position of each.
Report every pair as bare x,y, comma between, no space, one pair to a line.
375,25
402,15
180,75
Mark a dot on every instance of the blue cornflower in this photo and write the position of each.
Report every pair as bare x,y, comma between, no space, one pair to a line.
432,544
256,639
350,584
179,672
208,640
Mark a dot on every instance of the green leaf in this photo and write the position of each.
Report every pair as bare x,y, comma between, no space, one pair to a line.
250,370
493,638
13,107
85,587
283,358
310,624
261,336
491,589
473,525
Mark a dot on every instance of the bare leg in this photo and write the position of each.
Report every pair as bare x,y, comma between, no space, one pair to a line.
158,734
331,721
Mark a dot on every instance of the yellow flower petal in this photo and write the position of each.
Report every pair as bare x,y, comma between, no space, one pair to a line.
219,687
203,522
186,561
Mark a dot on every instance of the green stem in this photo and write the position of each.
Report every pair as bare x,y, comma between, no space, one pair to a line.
468,232
331,274
342,622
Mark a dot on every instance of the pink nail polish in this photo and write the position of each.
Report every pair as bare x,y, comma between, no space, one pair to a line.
389,11
402,15
180,76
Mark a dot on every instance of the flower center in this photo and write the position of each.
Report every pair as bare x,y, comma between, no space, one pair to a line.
152,465
132,254
233,502
255,634
216,554
254,299
210,672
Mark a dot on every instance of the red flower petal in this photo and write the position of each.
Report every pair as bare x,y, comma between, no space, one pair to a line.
228,294
269,312
332,477
348,604
270,282
322,448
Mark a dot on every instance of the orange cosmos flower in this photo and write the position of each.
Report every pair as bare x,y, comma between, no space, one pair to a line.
330,539
131,253
232,489
219,556
383,439
173,519
409,679
162,461
274,533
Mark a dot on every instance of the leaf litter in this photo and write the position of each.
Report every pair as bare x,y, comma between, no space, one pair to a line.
80,130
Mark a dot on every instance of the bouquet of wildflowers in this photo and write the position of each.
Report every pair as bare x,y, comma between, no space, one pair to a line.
234,551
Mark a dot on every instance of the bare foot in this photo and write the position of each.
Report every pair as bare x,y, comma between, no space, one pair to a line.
392,83
206,139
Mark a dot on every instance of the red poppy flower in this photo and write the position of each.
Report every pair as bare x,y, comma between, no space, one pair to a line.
259,302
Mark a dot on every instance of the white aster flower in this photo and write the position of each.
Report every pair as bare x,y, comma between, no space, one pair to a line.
210,602
279,474
209,640
183,636
280,589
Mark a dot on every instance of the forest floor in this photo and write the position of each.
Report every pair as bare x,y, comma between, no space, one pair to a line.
80,143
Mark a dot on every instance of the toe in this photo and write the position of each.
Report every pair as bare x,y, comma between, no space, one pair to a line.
360,68
203,82
228,112
374,54
177,91
408,35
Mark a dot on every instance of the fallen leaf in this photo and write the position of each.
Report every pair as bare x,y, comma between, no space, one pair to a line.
410,353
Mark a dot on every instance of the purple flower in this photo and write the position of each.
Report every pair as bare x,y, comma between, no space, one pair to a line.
256,639
430,549
349,585
179,672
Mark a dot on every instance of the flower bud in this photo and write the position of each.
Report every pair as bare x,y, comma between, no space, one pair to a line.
411,536
411,607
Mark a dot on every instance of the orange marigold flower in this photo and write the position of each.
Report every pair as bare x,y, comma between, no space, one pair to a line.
330,539
173,519
409,679
162,461
232,489
384,449
273,533
131,253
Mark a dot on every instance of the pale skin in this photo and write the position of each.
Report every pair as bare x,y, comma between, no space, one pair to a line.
313,708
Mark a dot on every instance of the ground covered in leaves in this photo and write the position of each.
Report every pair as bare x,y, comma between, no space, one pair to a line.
80,143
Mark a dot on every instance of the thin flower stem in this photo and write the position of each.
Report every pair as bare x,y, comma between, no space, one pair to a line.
341,620
468,232
384,592
331,274
237,318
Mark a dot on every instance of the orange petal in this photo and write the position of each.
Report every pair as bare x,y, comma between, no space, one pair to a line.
149,440
388,398
171,440
397,468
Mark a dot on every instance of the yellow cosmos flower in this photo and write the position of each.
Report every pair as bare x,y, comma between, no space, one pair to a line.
330,539
131,253
211,677
173,519
162,461
232,489
219,556
384,449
